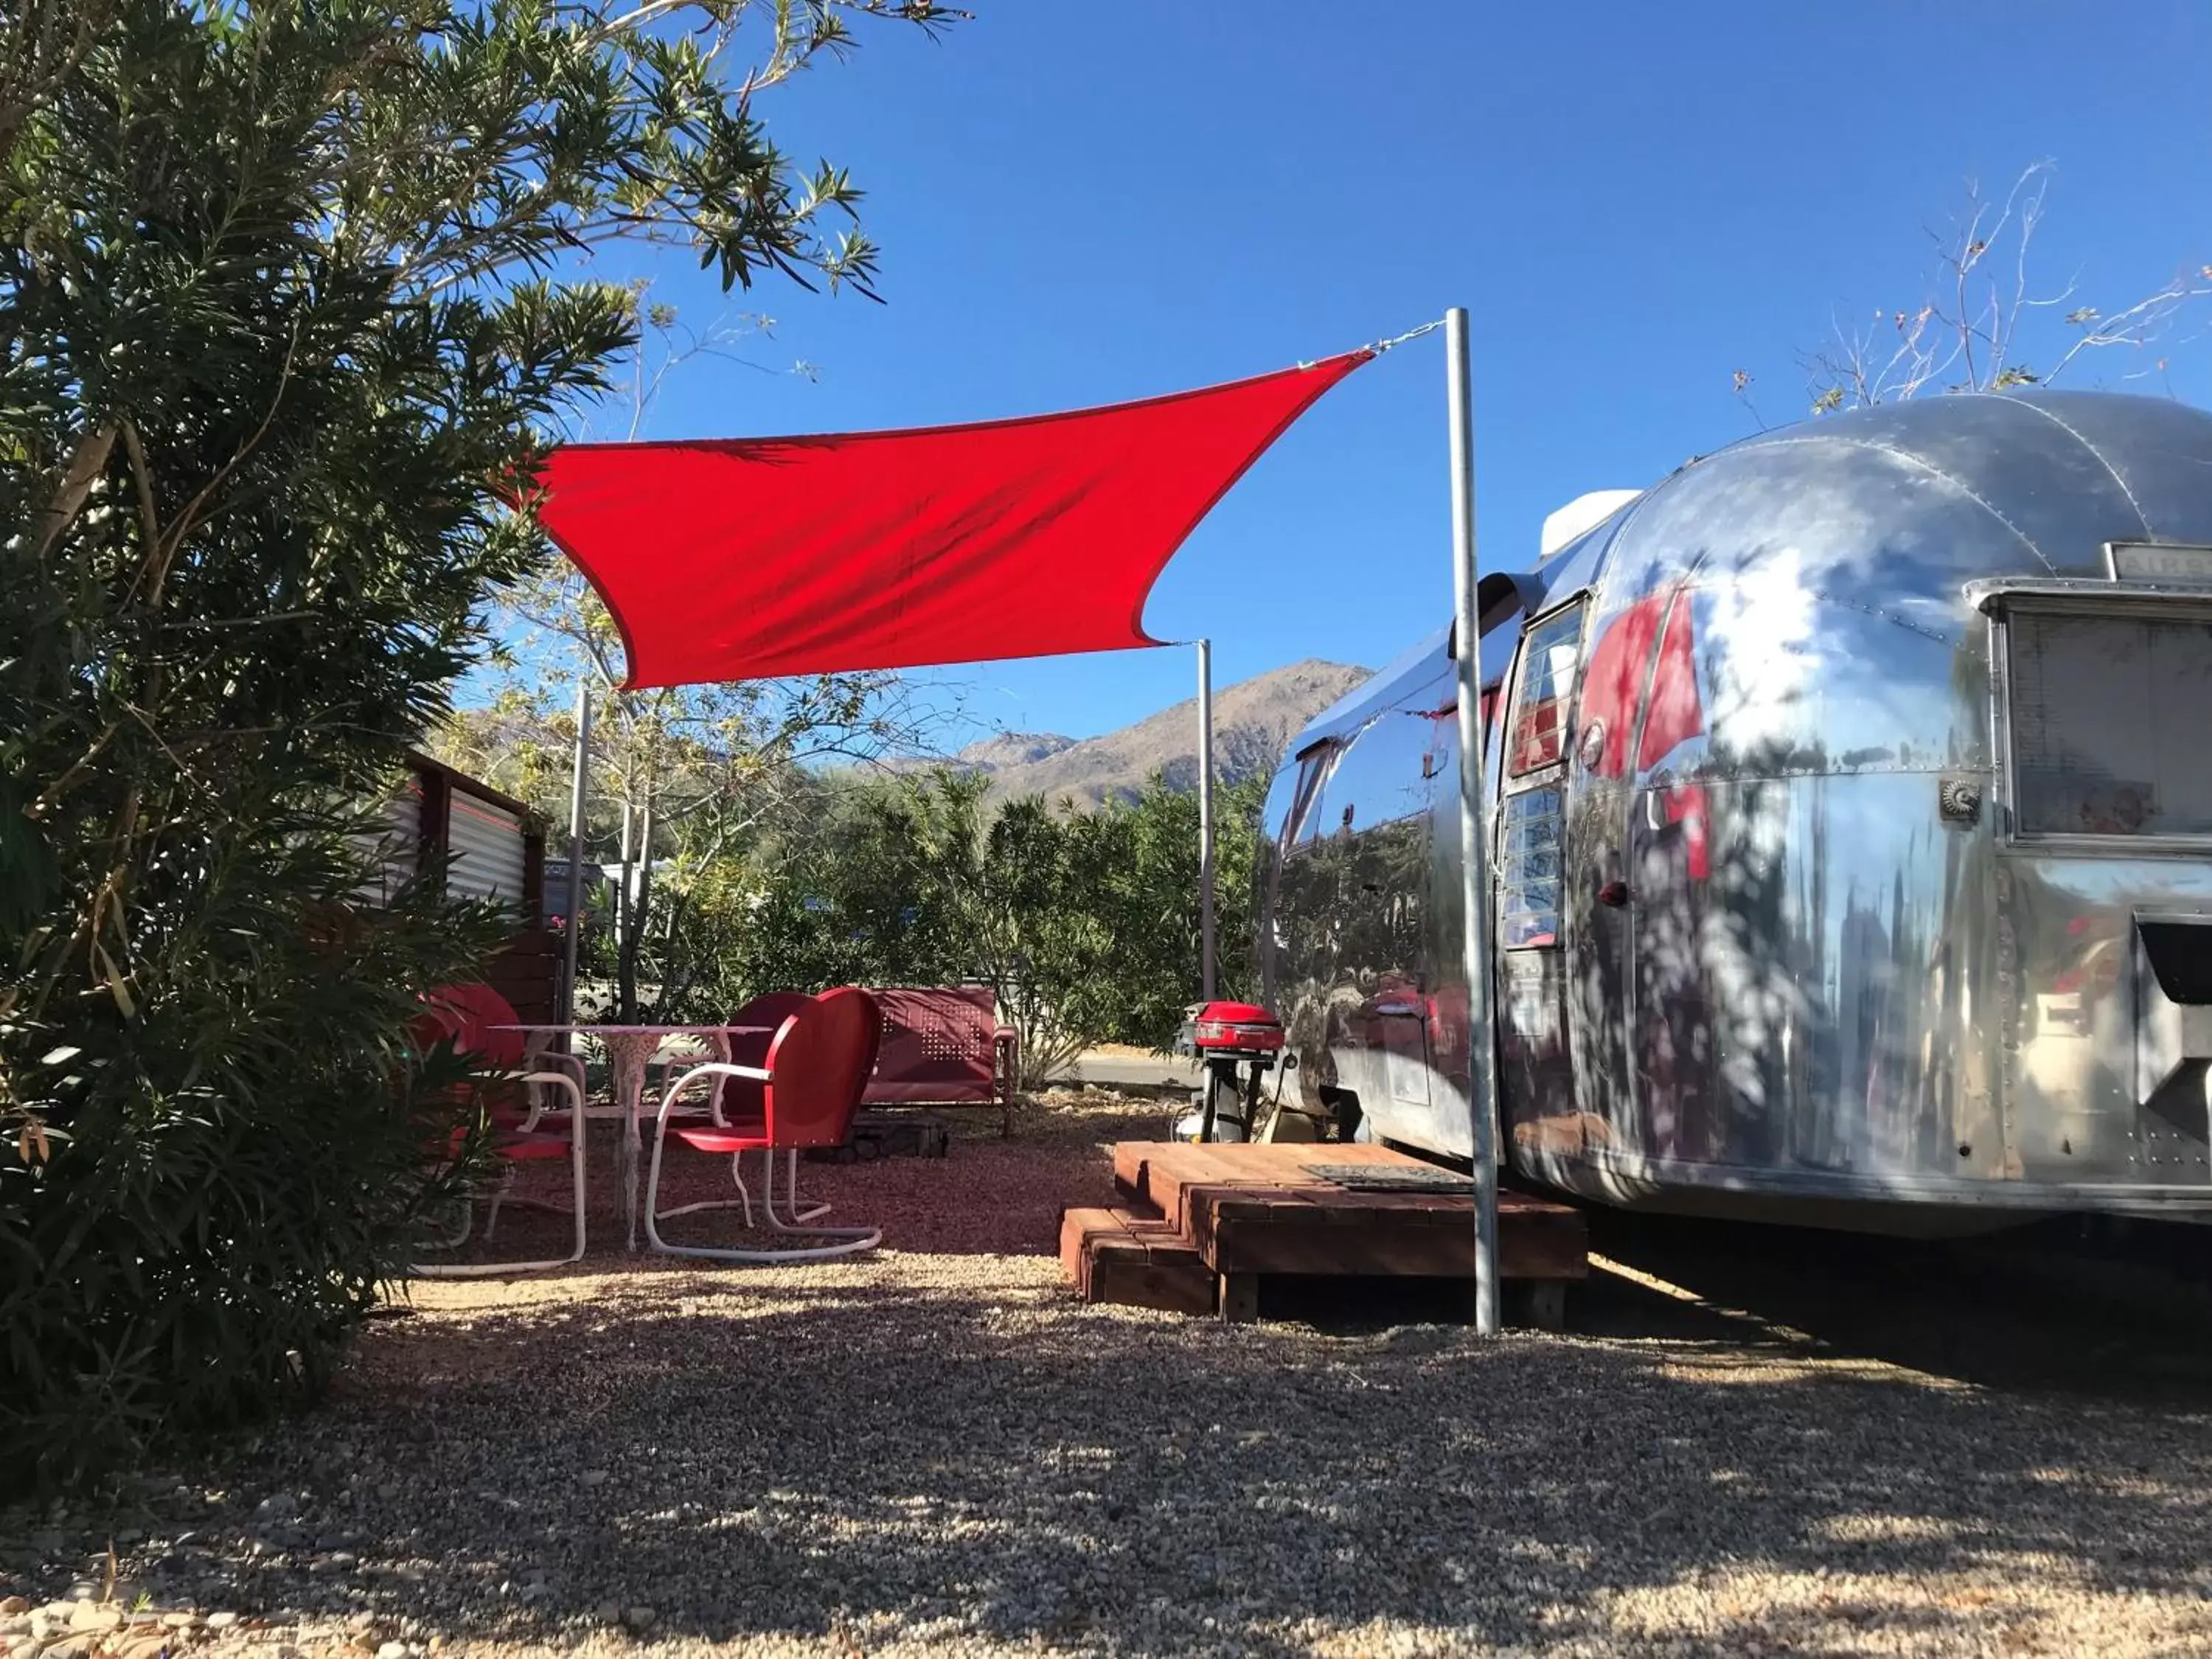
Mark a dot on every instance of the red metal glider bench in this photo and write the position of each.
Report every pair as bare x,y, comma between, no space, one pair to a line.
944,1046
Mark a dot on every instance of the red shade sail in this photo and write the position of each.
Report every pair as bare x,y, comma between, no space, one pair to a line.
749,558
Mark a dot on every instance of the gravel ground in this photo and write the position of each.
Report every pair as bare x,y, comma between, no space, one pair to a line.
934,1449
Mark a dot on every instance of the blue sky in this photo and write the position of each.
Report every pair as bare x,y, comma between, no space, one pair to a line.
1081,204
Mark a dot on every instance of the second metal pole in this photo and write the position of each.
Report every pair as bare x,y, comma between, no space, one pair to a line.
623,898
580,779
1474,894
1208,971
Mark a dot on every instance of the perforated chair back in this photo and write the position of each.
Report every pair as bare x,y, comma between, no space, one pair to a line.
939,1046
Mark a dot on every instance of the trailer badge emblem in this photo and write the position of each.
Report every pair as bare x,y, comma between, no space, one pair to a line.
1958,800
1593,745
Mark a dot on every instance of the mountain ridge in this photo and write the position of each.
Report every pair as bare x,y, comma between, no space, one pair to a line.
1254,722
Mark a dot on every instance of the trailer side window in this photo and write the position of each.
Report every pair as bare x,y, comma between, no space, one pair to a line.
1314,768
1545,692
1528,870
2108,723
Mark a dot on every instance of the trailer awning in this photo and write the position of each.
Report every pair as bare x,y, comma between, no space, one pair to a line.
749,558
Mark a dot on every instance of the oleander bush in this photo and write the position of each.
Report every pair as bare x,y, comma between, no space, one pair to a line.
293,303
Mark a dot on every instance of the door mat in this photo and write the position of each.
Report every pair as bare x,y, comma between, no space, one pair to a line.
1391,1178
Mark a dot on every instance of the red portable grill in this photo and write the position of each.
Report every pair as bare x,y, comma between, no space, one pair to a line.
1238,1043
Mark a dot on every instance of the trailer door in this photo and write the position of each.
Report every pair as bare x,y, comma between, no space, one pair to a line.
1536,1074
1379,801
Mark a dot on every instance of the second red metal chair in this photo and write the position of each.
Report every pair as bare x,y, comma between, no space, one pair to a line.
810,1081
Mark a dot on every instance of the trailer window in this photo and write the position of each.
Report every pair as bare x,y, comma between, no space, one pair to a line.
1545,691
1313,772
2107,721
1528,870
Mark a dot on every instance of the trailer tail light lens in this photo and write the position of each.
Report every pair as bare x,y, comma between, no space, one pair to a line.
1224,1034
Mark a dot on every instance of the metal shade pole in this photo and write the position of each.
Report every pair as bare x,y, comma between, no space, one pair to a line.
621,907
579,778
1475,886
1209,977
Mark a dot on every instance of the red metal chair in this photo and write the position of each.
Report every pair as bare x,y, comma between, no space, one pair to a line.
739,1097
738,1100
811,1080
524,1129
486,1012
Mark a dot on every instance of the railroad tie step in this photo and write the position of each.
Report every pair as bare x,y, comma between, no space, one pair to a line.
1112,1256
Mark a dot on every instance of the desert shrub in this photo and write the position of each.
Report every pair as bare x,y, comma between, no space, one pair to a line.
1086,924
284,342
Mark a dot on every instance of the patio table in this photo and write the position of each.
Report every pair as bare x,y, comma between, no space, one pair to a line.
630,1048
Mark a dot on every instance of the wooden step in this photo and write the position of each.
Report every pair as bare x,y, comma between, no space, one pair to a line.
1134,1261
1260,1209
1204,1224
1254,1229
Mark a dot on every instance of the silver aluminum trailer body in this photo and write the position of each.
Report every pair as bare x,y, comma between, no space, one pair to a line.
1850,799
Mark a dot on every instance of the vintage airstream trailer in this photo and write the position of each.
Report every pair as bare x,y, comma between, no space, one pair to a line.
1850,833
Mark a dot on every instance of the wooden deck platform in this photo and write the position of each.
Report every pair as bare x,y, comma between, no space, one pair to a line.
1200,1226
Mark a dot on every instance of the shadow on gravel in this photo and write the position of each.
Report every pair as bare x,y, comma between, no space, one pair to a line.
2103,1313
2120,1314
872,1462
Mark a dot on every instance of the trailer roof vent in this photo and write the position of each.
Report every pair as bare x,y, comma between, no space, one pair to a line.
1580,515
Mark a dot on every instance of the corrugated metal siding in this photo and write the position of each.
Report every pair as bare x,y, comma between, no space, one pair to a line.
484,843
398,848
